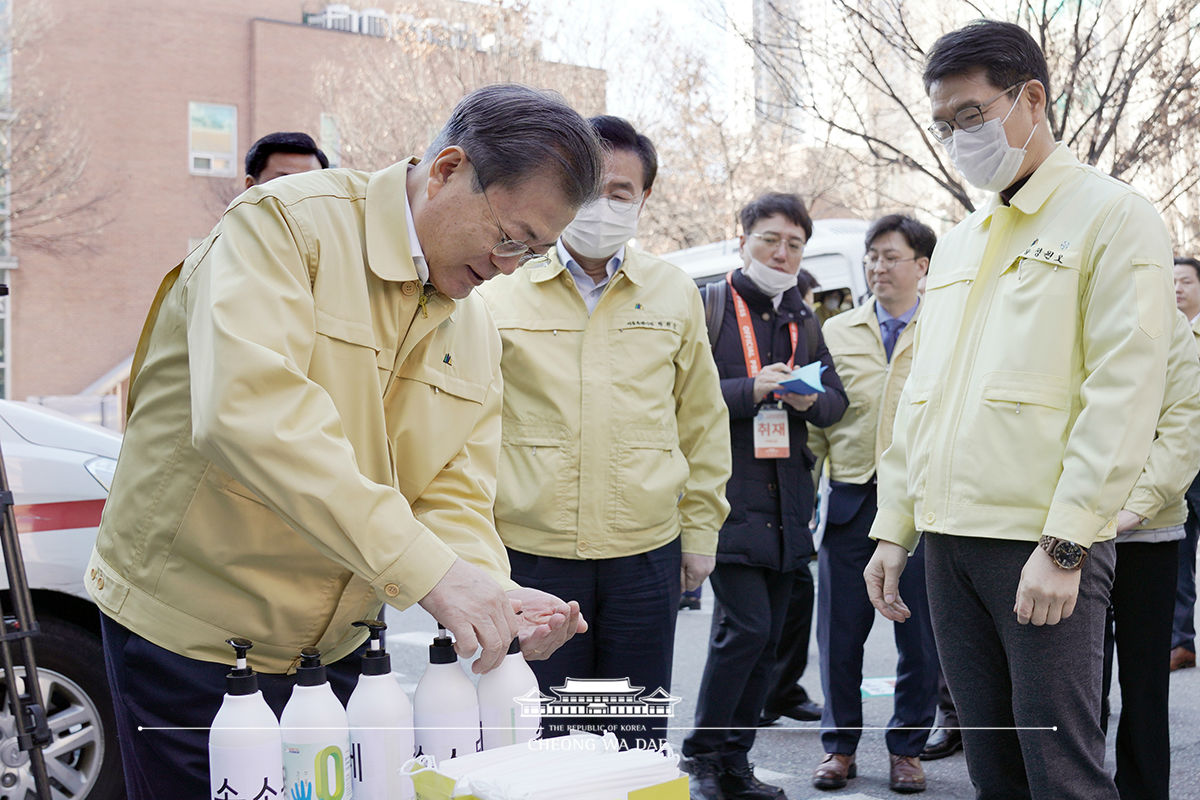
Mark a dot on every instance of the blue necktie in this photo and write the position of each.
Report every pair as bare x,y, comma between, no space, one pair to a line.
891,332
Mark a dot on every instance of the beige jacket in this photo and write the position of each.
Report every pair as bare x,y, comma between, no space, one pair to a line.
310,433
615,436
1040,366
873,384
1175,454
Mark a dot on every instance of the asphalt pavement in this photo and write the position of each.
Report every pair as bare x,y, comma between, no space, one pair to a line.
786,753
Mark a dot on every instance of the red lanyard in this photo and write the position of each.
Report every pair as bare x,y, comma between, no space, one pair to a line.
746,332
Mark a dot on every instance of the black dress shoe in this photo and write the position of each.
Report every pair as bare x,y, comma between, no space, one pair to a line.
703,778
942,742
768,719
739,783
807,711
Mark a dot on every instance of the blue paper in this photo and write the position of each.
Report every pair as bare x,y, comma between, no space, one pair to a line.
805,380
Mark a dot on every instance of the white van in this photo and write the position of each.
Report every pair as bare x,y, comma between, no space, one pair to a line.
833,255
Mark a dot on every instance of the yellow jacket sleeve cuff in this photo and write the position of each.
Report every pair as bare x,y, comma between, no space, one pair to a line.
895,528
701,543
1077,525
414,574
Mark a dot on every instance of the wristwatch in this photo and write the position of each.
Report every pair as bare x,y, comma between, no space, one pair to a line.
1065,554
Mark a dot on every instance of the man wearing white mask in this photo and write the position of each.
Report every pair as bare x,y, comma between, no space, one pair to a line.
765,546
1038,376
615,442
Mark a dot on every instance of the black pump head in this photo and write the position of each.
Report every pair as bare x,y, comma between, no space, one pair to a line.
376,660
310,672
241,680
442,649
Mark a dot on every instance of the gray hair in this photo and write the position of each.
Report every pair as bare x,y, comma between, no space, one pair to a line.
512,133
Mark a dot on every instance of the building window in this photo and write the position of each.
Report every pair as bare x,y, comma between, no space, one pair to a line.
212,139
331,139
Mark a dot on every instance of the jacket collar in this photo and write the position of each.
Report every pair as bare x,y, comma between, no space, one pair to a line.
631,267
388,252
1030,198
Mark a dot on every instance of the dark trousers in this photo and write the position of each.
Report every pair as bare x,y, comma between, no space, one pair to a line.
844,619
630,604
1028,697
752,604
1184,632
791,658
1143,601
947,714
164,703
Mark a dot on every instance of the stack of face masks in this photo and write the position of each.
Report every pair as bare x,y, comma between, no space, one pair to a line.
579,767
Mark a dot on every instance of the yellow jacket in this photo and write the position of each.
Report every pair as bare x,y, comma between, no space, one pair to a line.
1175,454
1040,366
615,437
305,440
854,445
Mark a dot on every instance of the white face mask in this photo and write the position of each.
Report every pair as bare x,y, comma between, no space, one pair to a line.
601,227
770,282
984,157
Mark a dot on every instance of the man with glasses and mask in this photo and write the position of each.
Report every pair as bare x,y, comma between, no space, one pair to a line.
314,428
615,444
1035,390
765,545
872,349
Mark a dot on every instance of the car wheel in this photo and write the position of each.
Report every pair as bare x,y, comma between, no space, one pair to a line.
83,759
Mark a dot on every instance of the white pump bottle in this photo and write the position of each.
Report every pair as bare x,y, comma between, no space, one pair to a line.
445,711
381,722
500,713
244,755
316,736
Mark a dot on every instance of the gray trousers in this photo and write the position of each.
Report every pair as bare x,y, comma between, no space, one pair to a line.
1043,681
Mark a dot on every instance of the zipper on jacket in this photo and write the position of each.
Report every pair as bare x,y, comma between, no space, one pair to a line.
423,300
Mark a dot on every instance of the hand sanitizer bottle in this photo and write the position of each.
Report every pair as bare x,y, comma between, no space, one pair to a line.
244,755
316,736
500,710
445,711
381,721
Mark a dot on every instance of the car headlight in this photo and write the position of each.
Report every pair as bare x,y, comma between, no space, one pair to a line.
102,470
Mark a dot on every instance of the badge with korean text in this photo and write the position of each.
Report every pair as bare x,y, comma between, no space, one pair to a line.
771,438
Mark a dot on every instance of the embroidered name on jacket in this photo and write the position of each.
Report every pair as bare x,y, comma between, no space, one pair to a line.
656,324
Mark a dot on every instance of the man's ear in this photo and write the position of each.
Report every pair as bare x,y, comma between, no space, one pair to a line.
444,166
249,182
923,263
1035,95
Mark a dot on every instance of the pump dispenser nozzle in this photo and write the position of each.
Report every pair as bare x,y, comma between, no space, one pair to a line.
241,680
376,660
442,650
311,671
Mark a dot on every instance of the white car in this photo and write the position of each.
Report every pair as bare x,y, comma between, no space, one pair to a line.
59,470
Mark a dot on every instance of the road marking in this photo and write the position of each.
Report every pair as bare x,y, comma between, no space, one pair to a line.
879,687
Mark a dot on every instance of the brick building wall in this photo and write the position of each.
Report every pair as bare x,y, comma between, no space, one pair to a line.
128,70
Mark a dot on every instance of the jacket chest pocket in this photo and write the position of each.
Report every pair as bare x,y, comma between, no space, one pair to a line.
643,351
431,414
1042,272
343,348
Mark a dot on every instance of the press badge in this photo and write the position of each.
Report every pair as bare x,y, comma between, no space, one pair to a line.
771,434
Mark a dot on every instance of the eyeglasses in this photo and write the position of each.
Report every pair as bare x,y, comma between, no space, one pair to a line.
509,247
969,119
795,246
620,202
871,262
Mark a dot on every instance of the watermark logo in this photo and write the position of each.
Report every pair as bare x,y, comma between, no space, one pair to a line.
597,697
